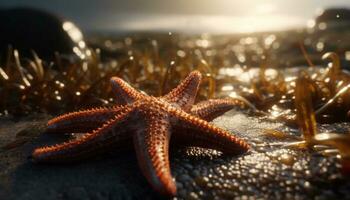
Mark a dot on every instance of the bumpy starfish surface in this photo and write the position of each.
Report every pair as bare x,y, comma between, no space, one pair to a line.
149,123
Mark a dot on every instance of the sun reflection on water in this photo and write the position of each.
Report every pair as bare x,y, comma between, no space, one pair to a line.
212,24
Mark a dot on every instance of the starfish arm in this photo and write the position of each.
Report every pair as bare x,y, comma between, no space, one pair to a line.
184,95
203,134
82,121
98,141
124,93
211,109
151,145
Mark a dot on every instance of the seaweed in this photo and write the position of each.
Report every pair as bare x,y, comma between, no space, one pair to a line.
315,94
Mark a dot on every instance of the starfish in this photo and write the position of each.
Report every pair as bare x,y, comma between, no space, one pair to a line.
148,122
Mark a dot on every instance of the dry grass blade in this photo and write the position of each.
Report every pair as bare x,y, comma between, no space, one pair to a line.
331,101
209,77
165,79
334,69
211,82
341,143
278,134
3,75
303,103
249,105
305,54
39,69
262,72
20,69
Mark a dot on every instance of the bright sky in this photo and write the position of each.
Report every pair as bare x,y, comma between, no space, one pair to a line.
220,16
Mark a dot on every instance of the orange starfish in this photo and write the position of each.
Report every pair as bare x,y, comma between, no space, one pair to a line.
149,123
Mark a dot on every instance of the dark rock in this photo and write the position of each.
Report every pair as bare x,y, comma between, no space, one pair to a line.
29,29
334,14
333,19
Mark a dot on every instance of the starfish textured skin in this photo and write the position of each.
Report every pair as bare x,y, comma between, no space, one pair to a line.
147,122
